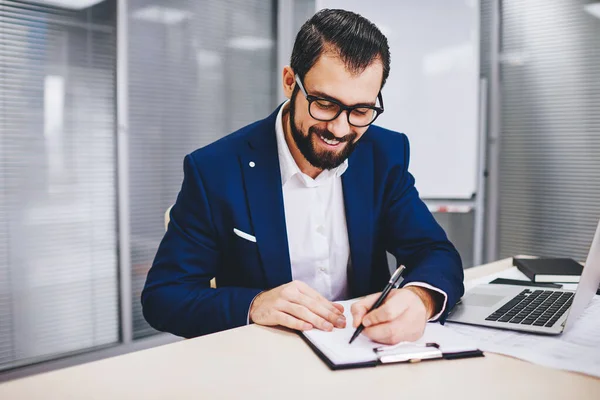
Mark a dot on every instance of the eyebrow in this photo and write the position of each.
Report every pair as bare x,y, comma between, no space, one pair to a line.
317,93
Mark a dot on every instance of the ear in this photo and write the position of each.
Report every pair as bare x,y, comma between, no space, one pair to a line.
288,81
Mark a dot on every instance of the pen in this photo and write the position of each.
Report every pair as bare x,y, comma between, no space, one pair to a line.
390,285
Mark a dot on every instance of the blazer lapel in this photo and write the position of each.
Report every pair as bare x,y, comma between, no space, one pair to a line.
262,180
358,186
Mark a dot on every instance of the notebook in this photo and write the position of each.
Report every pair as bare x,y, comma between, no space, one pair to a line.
550,269
438,342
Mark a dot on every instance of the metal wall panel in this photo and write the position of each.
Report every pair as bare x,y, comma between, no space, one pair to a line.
550,138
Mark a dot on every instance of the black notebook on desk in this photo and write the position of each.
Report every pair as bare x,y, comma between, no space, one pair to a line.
564,270
438,342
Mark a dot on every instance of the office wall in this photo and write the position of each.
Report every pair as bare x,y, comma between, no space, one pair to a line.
302,11
197,72
550,130
459,228
58,237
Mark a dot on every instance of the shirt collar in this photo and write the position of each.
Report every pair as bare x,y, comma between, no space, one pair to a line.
288,165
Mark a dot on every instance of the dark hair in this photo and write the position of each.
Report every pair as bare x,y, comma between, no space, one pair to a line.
355,39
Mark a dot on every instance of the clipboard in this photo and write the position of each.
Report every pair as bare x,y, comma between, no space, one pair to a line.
402,353
438,343
410,352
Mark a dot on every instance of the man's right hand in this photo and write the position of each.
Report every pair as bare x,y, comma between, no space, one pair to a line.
296,305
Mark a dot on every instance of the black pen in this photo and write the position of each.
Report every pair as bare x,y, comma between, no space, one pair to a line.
388,288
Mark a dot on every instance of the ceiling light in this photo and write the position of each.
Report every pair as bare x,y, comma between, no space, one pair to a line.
163,15
72,4
250,43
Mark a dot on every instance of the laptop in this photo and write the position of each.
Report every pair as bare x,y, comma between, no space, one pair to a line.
530,309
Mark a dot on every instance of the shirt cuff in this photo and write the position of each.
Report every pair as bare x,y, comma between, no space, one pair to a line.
248,316
428,286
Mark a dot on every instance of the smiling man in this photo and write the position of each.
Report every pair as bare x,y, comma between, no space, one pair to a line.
297,211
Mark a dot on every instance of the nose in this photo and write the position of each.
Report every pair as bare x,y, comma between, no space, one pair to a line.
339,126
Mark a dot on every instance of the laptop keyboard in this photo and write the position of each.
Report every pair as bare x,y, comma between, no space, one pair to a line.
537,308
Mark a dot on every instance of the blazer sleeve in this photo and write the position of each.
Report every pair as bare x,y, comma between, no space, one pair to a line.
416,239
177,296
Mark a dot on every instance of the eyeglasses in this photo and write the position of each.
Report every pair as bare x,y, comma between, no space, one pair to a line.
327,110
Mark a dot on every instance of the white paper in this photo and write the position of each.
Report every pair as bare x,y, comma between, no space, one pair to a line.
577,349
335,345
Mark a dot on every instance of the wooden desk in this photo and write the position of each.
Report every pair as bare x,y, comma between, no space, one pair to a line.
258,362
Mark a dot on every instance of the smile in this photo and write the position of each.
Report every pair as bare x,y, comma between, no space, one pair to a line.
331,143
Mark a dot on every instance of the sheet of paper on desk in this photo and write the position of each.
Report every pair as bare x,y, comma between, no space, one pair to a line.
575,350
335,344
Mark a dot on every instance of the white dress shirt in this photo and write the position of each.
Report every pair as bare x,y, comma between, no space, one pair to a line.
316,225
315,219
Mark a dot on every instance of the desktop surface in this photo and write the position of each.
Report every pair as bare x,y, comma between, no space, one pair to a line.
260,362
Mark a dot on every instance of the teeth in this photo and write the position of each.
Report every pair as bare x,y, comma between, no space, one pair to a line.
331,142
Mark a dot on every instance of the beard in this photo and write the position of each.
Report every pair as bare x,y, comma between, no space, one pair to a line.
318,158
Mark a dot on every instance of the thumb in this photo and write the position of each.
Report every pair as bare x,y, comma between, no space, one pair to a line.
362,307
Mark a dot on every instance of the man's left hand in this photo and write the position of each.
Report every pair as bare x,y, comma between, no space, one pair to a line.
402,316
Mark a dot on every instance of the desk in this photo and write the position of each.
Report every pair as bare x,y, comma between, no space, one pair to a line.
259,362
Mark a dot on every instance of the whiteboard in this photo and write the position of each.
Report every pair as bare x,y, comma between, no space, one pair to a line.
432,93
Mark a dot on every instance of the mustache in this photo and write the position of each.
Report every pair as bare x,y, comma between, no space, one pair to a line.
330,136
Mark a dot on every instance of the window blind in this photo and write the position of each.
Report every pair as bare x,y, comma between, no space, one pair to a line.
197,72
58,255
550,129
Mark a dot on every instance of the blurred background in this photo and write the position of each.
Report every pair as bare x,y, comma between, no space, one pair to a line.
101,100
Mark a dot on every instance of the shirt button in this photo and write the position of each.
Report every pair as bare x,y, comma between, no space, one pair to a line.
321,229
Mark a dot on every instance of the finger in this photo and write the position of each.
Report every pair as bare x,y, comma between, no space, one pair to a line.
291,322
385,333
317,304
320,309
339,307
361,307
313,294
389,311
403,329
306,315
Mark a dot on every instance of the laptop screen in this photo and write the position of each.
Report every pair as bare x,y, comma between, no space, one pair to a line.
589,282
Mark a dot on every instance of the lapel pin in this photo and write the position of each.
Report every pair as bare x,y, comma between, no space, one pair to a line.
251,164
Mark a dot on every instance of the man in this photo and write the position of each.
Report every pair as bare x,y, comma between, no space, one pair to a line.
296,211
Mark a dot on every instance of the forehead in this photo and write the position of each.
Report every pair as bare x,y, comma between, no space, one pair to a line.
330,76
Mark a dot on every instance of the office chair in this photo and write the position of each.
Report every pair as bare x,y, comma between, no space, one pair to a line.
213,282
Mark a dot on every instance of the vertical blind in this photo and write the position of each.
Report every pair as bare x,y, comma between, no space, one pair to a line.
197,72
550,128
58,255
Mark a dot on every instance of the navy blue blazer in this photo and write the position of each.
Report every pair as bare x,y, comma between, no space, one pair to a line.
221,191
